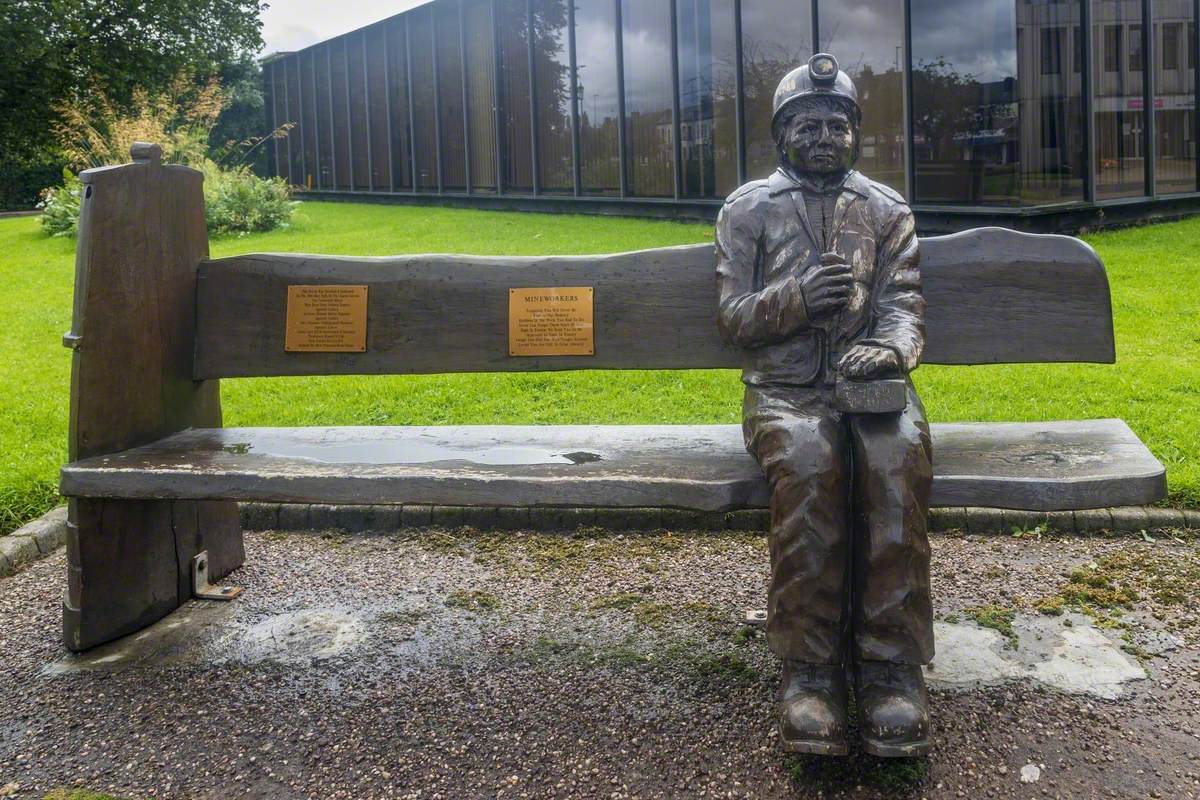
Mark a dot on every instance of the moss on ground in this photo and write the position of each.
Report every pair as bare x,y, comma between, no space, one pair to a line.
998,618
404,618
565,553
691,661
473,600
1154,577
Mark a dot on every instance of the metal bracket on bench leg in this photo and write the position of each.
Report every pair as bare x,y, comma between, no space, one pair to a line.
756,617
202,589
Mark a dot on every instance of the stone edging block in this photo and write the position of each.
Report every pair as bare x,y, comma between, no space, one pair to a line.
43,536
36,540
986,521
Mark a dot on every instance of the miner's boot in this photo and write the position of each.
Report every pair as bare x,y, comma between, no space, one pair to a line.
812,708
893,709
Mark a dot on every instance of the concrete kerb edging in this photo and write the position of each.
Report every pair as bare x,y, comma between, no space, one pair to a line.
43,536
986,521
36,540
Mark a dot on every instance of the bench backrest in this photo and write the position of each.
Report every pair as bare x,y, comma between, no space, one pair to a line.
994,296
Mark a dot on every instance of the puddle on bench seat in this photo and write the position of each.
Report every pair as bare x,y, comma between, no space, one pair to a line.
407,452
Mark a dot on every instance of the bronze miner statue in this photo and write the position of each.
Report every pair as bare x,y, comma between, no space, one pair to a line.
817,270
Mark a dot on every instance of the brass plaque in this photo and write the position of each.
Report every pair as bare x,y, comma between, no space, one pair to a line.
326,319
551,322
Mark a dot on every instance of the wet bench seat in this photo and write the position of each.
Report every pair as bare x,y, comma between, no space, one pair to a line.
1035,466
154,478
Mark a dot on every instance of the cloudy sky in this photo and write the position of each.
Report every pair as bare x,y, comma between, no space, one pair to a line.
293,24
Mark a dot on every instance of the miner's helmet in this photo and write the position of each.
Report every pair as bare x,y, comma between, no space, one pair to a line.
820,76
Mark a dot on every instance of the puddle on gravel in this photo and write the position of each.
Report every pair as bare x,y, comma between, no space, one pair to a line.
301,637
1068,654
407,452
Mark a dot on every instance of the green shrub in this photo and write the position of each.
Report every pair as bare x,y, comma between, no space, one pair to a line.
235,201
238,201
60,206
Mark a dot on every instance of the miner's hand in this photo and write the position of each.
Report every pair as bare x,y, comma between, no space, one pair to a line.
867,361
827,287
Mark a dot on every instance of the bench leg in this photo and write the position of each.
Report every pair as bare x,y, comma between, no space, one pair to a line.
128,561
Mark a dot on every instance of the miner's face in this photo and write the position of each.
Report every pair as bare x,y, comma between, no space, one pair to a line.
820,140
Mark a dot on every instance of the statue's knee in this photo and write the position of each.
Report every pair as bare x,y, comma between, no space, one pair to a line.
813,459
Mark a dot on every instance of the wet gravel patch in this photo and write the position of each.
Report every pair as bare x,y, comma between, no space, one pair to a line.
464,664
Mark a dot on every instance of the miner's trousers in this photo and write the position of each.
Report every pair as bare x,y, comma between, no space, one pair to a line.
849,526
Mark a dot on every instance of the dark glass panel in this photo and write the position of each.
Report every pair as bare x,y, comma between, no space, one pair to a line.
867,36
309,116
1135,48
377,136
282,120
514,103
277,163
481,92
996,119
1175,98
325,115
1119,101
707,97
424,75
776,38
599,109
551,80
341,115
450,97
295,149
401,145
649,127
360,146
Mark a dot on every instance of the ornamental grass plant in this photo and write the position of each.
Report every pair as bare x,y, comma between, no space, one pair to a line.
96,133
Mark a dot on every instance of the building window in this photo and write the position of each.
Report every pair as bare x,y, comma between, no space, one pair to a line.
401,143
776,38
1135,48
1174,103
1077,49
515,115
1052,42
1112,48
598,96
985,131
479,31
1170,45
1119,116
552,96
377,109
707,97
868,38
649,97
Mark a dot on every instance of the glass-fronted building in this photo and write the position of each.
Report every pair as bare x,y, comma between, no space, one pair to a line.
1038,114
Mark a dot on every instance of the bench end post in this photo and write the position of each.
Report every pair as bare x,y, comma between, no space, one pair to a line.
141,238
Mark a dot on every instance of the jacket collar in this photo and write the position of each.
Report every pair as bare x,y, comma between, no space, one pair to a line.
783,180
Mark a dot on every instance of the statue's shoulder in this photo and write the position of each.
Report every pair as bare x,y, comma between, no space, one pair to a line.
747,191
884,192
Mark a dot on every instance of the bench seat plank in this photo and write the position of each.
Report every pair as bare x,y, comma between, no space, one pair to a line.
1036,466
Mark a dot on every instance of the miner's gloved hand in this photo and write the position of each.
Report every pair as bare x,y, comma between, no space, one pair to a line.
826,288
867,361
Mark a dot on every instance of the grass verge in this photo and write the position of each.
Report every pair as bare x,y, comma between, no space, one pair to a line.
1155,386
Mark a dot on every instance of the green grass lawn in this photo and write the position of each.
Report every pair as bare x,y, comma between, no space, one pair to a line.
1155,385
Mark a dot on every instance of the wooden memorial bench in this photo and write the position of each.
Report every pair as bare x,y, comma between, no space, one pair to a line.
154,479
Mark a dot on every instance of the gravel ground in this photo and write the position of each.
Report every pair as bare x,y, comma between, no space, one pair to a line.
459,664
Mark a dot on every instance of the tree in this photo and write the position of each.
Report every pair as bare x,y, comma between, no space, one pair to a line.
61,51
